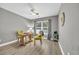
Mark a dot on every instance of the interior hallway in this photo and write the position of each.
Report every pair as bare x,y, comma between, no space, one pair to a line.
47,48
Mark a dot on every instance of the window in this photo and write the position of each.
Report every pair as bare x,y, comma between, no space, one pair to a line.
38,24
45,24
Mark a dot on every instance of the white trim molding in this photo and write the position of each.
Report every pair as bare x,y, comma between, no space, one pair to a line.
4,44
61,49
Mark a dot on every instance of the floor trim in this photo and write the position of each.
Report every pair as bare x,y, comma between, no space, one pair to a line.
4,44
61,48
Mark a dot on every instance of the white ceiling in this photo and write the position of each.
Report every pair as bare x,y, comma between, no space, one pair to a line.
23,9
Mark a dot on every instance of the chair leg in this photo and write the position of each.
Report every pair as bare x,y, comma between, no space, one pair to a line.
41,41
34,42
18,40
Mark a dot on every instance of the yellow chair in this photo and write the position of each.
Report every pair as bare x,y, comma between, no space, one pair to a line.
20,36
38,37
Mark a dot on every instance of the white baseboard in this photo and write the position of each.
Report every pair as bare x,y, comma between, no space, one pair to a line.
4,44
61,48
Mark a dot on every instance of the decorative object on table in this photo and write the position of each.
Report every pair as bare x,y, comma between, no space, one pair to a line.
62,18
56,36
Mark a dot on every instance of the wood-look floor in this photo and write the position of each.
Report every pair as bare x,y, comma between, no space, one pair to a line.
47,48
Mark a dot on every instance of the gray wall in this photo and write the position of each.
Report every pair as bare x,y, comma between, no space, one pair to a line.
10,23
69,33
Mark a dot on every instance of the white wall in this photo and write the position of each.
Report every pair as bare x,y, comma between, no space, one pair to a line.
69,33
10,23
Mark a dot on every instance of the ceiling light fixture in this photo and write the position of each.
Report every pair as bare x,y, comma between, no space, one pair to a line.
33,10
